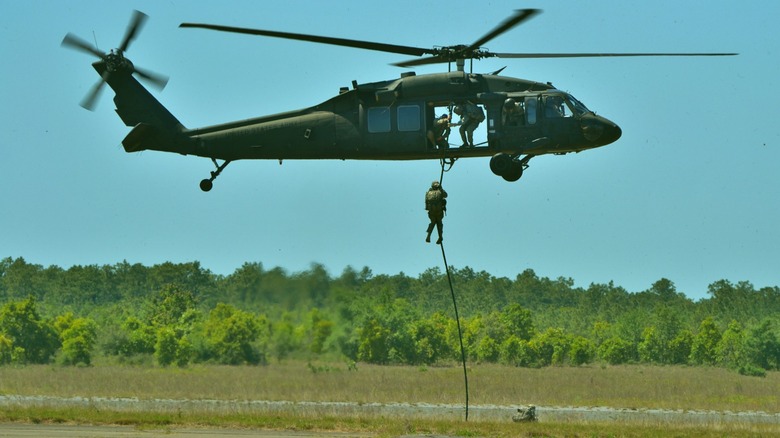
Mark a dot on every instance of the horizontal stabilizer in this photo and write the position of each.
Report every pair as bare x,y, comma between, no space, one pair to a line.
142,137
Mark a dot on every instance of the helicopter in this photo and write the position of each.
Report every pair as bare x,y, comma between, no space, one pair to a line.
386,120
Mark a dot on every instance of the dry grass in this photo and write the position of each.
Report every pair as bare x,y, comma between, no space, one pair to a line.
622,387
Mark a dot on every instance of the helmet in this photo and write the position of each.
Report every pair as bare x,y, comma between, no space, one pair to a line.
435,185
510,104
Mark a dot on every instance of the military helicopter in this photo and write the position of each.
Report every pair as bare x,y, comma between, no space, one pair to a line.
387,120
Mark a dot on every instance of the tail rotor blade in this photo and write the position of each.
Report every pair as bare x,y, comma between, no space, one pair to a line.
136,22
71,41
91,98
157,80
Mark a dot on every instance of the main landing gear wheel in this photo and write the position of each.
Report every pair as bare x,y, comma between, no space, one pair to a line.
514,173
509,167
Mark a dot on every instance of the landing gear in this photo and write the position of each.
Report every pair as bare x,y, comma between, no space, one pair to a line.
508,166
208,183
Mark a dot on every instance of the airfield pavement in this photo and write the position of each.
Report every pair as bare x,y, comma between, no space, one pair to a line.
403,410
88,431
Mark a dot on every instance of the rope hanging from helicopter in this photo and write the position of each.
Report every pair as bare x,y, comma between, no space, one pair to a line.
451,161
444,161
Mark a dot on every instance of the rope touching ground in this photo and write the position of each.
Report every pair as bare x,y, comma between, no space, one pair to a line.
460,334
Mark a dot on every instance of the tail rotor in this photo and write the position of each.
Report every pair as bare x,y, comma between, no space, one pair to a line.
115,61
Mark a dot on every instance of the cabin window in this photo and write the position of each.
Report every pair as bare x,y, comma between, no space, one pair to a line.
408,118
530,110
379,119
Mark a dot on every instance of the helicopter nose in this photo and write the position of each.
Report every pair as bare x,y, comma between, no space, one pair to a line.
612,132
599,130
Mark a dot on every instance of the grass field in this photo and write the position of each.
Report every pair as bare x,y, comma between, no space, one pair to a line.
675,388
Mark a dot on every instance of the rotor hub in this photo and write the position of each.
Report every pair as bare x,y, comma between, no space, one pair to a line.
116,62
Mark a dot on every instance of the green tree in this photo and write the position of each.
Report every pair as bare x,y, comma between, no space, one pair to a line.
487,350
167,307
551,347
34,339
516,352
600,332
231,334
78,337
680,347
321,331
652,348
139,338
6,350
703,350
430,341
166,346
616,350
372,342
762,347
285,338
519,321
581,351
730,350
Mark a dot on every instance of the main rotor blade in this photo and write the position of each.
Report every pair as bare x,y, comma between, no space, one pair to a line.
520,16
600,55
71,41
423,61
136,22
382,47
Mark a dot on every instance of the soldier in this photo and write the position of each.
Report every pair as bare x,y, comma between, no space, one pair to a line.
440,132
470,117
513,113
436,204
525,414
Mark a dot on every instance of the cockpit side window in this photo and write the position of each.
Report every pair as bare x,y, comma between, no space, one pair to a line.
556,106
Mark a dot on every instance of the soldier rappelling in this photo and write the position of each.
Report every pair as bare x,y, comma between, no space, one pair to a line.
436,205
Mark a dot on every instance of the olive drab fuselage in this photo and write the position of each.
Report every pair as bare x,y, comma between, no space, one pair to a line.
389,121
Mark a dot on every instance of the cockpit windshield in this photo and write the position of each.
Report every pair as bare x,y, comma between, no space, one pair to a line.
578,107
563,105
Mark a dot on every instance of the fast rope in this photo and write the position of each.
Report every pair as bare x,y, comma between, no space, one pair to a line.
455,305
460,333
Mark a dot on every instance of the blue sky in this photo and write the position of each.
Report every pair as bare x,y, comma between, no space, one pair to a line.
689,193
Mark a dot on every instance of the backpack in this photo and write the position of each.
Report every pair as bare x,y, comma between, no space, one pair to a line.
434,200
479,115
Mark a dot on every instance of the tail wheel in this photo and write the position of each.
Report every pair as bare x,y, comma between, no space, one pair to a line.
206,185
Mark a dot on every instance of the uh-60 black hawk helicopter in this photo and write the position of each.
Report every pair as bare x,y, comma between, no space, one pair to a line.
387,120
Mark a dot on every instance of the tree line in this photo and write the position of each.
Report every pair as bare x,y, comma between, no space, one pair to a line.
175,314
